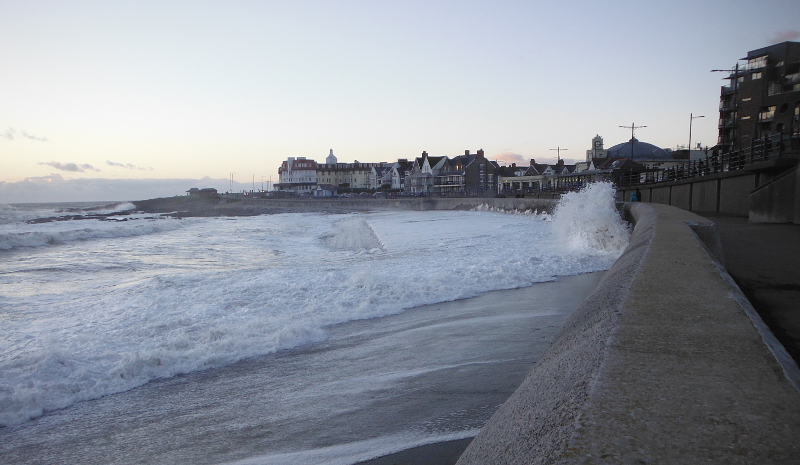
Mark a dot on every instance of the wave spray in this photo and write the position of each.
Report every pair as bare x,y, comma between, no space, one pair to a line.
589,220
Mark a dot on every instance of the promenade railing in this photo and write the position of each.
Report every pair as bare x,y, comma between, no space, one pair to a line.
768,148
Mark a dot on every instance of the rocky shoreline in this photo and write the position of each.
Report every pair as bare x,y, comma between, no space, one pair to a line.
182,207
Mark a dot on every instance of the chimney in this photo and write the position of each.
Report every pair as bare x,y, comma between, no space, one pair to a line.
424,154
533,162
466,152
480,153
560,162
513,165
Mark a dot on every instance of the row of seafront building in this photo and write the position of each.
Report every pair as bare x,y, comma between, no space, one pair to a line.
761,105
472,174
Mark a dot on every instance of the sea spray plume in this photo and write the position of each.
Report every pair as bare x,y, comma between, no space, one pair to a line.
589,220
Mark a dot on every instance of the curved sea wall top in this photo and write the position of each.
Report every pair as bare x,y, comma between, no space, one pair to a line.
665,362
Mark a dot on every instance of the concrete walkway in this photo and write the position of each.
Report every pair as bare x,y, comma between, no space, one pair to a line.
666,362
764,260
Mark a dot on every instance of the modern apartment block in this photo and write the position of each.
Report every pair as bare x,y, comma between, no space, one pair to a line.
762,99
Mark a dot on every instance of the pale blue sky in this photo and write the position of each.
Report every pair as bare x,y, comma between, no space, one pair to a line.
192,89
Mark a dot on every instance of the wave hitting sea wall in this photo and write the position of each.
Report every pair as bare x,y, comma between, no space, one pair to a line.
665,362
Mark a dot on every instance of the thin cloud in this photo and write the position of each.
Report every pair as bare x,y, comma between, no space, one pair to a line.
128,166
53,177
32,137
71,167
510,157
12,134
785,36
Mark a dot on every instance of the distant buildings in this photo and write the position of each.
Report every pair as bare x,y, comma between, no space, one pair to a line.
762,99
472,174
297,175
205,193
468,174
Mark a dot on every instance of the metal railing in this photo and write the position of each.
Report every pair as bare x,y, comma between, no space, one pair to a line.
759,151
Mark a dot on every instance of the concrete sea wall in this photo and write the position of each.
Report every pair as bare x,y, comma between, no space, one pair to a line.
766,191
665,362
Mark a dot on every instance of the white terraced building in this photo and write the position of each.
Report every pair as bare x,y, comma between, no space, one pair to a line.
297,175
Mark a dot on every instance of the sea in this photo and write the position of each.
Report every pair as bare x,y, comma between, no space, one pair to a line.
295,338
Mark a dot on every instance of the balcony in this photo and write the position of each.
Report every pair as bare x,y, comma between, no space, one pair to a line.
449,183
725,123
727,89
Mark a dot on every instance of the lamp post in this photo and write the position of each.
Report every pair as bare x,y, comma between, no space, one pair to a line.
558,151
558,154
691,118
633,127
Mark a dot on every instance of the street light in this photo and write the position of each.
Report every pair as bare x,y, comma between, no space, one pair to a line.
558,150
691,118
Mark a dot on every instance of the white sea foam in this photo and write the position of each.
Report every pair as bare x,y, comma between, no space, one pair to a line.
111,208
589,220
156,298
28,211
60,232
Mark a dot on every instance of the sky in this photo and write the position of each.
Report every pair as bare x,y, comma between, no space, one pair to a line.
116,100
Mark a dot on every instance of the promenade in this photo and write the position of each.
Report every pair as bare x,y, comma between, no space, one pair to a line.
764,260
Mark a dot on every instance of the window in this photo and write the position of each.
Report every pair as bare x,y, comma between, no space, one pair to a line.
767,113
757,75
759,62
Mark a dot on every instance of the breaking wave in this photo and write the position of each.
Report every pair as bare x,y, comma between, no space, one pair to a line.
589,220
64,232
353,234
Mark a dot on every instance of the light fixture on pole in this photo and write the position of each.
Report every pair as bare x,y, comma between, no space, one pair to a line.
692,118
633,127
558,152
